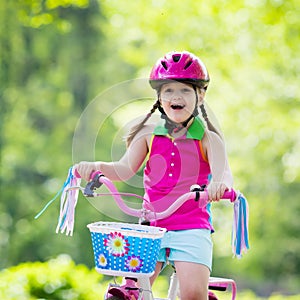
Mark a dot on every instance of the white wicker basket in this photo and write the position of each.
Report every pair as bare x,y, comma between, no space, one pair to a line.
123,249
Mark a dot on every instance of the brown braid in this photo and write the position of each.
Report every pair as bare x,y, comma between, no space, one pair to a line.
210,126
135,129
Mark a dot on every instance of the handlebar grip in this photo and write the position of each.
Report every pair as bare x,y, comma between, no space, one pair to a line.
230,195
76,174
95,175
92,176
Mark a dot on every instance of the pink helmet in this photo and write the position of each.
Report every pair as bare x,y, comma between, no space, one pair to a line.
179,66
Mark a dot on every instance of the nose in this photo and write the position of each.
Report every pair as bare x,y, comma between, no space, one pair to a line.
177,95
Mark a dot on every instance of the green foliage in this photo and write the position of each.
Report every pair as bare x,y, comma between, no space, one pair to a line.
58,279
61,279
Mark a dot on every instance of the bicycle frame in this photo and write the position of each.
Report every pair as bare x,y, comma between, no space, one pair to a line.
144,282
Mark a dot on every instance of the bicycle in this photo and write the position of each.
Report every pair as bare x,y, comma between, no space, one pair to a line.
122,249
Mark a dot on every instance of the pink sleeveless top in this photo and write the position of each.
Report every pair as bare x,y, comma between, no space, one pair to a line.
172,167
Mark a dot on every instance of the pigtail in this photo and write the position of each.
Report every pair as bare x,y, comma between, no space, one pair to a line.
135,129
210,125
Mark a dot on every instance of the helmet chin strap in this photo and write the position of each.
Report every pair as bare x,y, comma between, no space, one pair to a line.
173,126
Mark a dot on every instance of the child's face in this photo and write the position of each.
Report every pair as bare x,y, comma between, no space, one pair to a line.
178,100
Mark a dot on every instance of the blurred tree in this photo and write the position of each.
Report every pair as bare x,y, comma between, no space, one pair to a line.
48,59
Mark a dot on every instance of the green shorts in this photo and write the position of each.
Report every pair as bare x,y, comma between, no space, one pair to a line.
194,245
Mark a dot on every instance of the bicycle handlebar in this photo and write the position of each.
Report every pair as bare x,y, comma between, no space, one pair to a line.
69,194
200,196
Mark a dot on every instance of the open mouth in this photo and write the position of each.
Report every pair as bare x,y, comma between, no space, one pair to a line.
177,106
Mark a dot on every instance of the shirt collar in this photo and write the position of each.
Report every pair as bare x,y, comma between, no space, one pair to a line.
195,130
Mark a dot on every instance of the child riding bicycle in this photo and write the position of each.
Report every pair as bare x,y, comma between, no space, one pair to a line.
179,152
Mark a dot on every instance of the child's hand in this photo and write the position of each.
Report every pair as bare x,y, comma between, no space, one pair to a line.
215,191
85,169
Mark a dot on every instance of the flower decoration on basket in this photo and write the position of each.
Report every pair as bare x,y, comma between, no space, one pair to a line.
116,244
134,263
103,261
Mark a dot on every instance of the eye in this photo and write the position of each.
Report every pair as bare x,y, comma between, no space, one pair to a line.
186,90
168,90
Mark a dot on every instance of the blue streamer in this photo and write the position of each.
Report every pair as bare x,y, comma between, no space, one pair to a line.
57,194
245,219
240,238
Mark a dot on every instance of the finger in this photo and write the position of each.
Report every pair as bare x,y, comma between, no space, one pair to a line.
221,191
211,194
87,173
83,170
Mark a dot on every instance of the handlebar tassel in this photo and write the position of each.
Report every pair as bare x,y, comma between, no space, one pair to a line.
240,232
68,201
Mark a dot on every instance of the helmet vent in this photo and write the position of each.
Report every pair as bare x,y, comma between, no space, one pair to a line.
176,57
188,64
164,64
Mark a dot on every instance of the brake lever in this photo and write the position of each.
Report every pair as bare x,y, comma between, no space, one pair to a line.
197,188
92,185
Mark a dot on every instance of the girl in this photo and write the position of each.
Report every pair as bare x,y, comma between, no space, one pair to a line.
180,152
